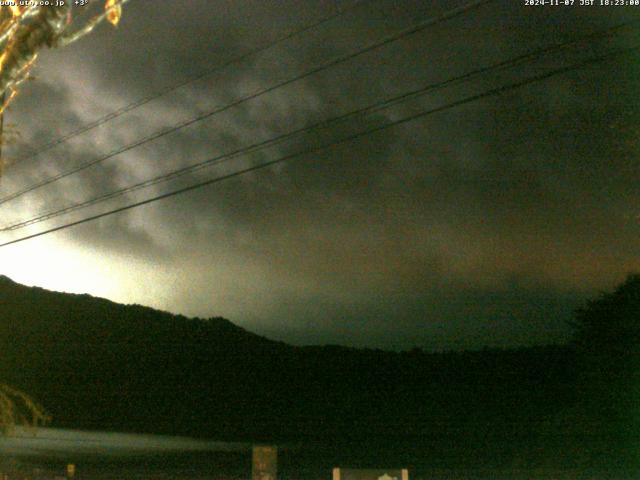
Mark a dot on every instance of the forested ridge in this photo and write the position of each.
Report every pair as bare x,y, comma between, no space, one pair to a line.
96,364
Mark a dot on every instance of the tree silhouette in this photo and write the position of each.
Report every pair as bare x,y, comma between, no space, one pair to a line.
607,343
611,323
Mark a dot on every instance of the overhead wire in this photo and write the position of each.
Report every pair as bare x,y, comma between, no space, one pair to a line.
372,108
448,15
174,87
349,138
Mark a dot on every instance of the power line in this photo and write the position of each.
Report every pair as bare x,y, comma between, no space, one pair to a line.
171,88
349,138
450,14
520,59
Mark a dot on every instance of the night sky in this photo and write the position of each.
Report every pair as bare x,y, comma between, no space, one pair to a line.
485,224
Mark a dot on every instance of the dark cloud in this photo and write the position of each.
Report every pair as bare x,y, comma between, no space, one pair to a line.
482,225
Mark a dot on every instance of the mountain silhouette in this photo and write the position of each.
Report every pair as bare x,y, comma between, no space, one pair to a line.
96,364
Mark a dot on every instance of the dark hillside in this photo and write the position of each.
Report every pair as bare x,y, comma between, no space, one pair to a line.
96,364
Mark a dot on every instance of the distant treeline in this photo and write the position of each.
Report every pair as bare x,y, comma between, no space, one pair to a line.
96,364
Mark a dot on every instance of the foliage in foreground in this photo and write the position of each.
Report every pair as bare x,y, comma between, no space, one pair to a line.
17,408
